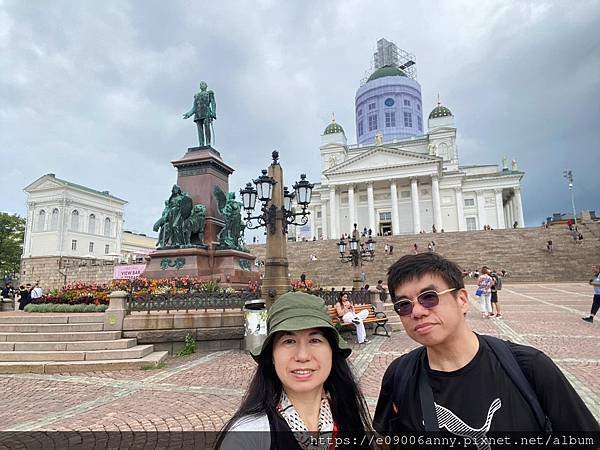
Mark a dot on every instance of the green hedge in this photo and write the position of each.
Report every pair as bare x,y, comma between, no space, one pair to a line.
64,308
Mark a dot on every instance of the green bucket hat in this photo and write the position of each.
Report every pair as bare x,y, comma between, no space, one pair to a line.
296,311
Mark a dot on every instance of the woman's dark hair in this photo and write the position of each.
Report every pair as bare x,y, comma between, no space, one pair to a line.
348,406
341,296
411,267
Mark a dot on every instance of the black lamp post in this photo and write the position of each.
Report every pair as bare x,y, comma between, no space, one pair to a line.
358,253
276,212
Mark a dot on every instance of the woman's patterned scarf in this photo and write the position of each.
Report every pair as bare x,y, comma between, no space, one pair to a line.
301,433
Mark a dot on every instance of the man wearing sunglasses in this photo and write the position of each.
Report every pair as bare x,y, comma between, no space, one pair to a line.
459,382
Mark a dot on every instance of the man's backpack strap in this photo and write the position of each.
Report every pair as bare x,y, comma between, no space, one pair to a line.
427,402
509,363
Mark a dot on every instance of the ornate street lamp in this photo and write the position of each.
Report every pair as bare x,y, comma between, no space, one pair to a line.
358,253
568,174
276,212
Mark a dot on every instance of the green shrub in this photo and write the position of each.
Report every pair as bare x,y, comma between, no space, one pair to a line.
189,346
64,308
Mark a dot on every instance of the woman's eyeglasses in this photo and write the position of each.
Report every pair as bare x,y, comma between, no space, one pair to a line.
427,299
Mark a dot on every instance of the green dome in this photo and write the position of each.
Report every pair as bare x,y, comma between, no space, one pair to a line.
334,127
386,71
439,111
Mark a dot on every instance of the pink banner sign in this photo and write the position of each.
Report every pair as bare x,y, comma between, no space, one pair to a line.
128,271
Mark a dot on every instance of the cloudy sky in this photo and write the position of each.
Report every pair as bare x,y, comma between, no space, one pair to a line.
94,91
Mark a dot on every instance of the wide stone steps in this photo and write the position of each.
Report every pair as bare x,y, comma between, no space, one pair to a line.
521,252
41,343
117,344
151,360
60,337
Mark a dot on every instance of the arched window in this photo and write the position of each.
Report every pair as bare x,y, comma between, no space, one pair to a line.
75,220
54,219
92,224
41,222
107,227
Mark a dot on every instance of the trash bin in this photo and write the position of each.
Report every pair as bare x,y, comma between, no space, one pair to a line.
255,323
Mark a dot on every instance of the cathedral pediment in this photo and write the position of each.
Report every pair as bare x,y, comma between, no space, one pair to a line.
381,158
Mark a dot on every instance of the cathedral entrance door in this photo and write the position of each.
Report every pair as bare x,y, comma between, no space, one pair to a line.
385,228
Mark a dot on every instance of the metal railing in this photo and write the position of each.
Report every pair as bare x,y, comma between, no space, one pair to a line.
189,301
331,297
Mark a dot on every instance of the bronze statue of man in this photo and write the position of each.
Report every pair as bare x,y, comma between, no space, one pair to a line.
204,111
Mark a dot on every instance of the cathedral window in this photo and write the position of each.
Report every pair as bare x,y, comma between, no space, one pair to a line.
469,202
91,247
74,244
371,106
407,119
372,122
406,102
107,227
359,112
361,129
54,219
390,119
92,224
106,249
420,123
41,222
75,220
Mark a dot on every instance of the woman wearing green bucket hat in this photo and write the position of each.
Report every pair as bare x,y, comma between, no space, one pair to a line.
303,394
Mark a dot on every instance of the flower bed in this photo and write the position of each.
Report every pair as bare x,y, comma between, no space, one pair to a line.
97,294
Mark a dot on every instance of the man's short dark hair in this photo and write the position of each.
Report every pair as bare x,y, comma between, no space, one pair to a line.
411,267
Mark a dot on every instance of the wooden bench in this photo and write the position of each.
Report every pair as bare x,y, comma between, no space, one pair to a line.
377,318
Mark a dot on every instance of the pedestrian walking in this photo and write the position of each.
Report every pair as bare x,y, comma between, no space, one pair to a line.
595,282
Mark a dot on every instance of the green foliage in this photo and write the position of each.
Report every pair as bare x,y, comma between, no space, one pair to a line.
211,286
189,346
63,308
12,231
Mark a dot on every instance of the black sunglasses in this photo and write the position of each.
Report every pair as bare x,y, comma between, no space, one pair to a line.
427,299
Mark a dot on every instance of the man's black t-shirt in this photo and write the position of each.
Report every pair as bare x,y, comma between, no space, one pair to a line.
481,395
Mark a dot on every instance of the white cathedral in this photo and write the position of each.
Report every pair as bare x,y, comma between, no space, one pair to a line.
399,178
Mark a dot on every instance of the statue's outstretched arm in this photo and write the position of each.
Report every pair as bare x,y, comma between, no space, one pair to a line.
191,112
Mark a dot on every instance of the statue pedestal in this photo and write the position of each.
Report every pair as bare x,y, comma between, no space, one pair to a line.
198,172
230,268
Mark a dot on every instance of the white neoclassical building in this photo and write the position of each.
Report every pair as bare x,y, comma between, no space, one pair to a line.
410,185
403,177
67,219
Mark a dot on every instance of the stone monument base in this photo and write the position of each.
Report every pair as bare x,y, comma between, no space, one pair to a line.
230,268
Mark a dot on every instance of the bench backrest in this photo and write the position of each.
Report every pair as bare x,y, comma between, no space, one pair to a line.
357,308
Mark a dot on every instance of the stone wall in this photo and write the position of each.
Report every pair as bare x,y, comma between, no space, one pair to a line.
54,272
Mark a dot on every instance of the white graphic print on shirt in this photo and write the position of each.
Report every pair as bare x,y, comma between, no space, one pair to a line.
451,422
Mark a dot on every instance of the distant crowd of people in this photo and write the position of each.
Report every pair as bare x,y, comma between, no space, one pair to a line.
23,295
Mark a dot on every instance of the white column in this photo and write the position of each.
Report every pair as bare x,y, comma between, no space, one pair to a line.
437,207
29,230
414,195
506,220
311,221
333,213
324,219
519,208
499,212
509,210
118,233
480,210
371,205
395,218
351,207
460,210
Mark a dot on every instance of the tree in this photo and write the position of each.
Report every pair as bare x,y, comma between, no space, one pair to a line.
12,231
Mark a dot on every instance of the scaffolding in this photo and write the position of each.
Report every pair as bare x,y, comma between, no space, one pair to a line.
388,54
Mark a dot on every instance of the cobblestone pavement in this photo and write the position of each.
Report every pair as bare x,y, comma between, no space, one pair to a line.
200,392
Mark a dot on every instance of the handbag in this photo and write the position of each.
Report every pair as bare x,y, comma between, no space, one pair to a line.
478,292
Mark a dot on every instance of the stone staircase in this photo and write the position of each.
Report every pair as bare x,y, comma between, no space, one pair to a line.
53,343
521,252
